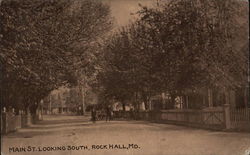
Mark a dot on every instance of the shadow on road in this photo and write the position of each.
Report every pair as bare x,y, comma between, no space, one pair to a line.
69,125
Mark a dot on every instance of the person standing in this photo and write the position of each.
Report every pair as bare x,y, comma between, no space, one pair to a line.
93,114
108,113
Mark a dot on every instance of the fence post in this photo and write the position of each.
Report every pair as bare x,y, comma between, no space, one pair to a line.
227,116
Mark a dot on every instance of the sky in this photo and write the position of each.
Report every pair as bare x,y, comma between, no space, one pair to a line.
121,9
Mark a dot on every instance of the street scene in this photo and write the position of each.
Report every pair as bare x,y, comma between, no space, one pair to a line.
135,77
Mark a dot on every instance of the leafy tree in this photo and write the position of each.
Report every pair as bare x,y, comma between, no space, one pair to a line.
177,47
198,39
44,45
201,34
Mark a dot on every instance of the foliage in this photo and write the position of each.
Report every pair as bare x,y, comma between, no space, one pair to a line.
178,46
44,44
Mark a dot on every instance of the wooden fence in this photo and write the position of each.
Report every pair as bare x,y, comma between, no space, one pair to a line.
217,118
213,119
10,122
240,118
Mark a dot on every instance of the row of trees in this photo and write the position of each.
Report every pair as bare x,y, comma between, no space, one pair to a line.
178,47
45,45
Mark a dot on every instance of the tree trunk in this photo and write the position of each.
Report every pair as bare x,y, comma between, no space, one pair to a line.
82,92
146,105
226,96
171,106
123,106
146,100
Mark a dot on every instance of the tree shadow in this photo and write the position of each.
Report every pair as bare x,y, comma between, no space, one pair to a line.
80,124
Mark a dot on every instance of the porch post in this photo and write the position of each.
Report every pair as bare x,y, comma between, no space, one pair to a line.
187,102
246,97
163,97
210,98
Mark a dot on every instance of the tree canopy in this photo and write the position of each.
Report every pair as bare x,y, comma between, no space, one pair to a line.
179,46
44,45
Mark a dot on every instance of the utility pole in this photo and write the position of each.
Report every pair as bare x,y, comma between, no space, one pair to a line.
82,88
41,104
84,93
50,111
83,101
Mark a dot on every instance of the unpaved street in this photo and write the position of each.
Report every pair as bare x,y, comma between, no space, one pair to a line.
70,135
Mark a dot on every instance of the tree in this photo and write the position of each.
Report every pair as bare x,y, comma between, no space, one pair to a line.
45,43
199,34
200,40
178,47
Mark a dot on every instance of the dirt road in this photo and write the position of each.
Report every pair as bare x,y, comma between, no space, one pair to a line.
76,135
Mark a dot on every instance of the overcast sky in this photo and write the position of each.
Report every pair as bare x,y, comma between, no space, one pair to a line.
121,9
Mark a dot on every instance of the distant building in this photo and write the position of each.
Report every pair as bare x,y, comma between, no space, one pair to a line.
59,102
68,101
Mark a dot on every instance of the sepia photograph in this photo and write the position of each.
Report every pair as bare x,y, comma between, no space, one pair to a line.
124,77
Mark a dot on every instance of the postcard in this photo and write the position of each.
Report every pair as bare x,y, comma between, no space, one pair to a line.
124,77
